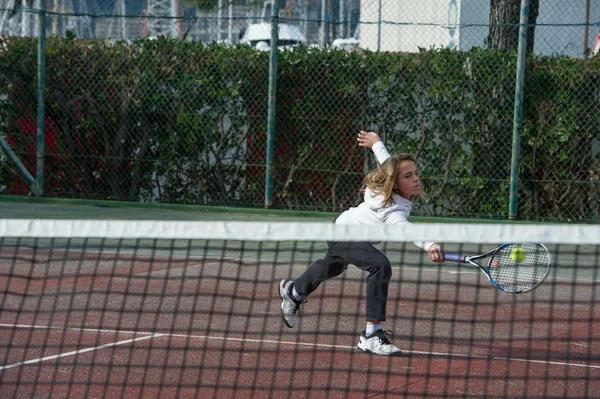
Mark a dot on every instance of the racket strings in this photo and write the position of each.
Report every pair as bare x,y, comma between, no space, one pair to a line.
519,276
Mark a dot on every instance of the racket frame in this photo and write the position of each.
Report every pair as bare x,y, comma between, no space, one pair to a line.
470,260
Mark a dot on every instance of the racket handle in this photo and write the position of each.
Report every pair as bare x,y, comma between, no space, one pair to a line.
454,258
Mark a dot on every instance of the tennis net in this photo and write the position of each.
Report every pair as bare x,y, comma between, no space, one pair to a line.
192,309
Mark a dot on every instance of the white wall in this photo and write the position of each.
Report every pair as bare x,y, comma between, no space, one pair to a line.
422,23
463,24
565,40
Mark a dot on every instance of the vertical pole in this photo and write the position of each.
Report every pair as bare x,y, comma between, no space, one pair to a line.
176,32
124,34
219,16
379,27
26,29
323,16
54,17
230,23
586,27
41,96
518,113
272,104
342,19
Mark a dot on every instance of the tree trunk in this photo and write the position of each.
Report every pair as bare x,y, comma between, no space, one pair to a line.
505,16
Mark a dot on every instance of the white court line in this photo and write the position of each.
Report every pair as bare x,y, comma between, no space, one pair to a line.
262,341
73,353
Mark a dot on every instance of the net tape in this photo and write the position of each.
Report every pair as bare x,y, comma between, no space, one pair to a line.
302,231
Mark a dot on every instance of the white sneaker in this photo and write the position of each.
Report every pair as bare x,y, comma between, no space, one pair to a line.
378,344
289,306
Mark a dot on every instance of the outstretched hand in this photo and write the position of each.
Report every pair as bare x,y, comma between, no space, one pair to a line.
436,253
367,139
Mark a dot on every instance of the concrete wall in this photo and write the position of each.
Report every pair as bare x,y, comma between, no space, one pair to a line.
462,24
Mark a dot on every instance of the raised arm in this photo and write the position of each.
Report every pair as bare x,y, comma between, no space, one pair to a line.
371,140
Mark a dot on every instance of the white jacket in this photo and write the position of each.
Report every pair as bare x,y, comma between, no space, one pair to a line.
372,211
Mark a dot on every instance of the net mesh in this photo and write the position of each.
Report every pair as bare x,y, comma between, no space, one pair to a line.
192,309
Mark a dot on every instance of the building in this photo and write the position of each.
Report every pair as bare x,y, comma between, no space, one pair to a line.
406,26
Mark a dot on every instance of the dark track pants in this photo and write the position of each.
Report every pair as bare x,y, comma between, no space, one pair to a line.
361,254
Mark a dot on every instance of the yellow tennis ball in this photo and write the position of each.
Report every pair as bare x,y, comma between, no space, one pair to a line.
517,255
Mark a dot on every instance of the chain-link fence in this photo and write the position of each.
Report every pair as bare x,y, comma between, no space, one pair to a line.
168,101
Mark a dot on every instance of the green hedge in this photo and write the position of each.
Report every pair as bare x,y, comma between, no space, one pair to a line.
183,122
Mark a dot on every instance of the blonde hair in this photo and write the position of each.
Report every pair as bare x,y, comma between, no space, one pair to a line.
382,180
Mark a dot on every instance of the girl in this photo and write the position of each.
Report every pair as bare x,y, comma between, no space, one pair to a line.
388,194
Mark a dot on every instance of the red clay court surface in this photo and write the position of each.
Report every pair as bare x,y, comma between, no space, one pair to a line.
148,326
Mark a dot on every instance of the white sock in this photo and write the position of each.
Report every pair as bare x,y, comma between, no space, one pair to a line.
296,296
371,328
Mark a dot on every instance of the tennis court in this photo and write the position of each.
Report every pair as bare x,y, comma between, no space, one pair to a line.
200,317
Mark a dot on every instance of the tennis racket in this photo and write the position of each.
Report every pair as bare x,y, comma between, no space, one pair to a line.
517,274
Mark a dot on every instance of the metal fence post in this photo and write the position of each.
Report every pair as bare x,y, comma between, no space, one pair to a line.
41,96
272,104
518,114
